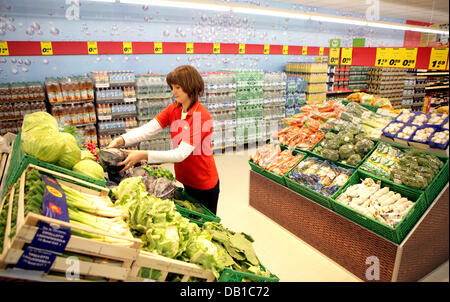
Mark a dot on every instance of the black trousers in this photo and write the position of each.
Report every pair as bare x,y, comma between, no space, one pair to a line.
208,198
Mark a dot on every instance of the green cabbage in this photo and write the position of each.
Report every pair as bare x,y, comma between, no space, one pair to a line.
71,154
87,155
39,120
43,144
89,168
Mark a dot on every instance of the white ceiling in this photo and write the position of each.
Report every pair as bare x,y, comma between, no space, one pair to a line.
430,11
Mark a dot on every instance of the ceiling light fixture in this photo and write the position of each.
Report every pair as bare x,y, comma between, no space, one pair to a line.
282,13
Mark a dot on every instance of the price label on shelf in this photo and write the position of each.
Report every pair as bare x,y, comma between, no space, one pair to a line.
346,56
127,48
438,58
382,58
216,48
189,47
321,51
92,48
396,57
46,48
158,47
304,50
285,49
266,49
409,57
333,56
241,48
4,51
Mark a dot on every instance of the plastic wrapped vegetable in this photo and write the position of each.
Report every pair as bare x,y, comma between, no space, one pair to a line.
347,138
345,151
364,146
332,144
354,159
330,154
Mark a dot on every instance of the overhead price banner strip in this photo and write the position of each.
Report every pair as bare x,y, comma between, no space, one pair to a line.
420,58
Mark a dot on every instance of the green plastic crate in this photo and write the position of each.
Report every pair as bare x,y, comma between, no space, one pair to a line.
275,177
20,160
310,193
230,275
340,163
434,187
194,216
369,107
402,229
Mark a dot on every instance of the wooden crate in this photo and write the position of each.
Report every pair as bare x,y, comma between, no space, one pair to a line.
120,257
165,266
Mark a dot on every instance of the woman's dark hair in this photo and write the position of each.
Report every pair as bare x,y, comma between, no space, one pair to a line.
189,80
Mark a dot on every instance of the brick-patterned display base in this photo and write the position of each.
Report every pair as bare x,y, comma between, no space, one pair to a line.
350,244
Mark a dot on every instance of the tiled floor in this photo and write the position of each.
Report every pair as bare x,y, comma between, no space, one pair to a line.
283,253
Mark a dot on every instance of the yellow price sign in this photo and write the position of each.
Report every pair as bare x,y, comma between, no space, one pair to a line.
46,48
127,48
92,48
395,57
438,58
189,47
409,56
216,48
382,58
266,49
4,51
285,49
333,56
321,51
304,50
241,48
346,56
158,48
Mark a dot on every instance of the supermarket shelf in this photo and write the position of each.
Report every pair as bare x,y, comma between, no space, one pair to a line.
346,91
11,119
437,87
432,73
116,100
71,102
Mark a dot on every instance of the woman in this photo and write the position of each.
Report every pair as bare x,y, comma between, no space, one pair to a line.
191,128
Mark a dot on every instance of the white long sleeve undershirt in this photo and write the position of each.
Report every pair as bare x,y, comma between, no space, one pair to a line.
148,130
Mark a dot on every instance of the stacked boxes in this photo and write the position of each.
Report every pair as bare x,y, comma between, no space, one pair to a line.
387,83
153,95
316,75
220,100
274,100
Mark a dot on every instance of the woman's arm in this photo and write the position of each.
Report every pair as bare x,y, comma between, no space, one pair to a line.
140,134
171,156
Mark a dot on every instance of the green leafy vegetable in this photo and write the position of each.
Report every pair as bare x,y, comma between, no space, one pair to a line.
71,154
89,168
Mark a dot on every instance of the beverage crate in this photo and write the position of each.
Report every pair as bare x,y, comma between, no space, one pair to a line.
280,179
108,261
20,160
194,216
230,275
156,267
395,234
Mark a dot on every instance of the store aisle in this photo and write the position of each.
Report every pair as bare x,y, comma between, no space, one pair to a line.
287,256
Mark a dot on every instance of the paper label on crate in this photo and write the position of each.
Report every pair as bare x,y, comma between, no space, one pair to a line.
54,202
36,260
51,238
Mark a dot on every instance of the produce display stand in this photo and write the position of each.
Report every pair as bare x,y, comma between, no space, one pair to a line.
20,160
4,166
111,262
351,245
165,266
194,216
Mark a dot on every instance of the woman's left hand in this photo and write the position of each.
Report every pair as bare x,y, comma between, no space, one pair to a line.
134,156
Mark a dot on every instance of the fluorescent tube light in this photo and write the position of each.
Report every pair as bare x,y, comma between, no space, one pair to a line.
338,20
181,4
268,12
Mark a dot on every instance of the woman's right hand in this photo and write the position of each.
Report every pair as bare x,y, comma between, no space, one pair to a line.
116,143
